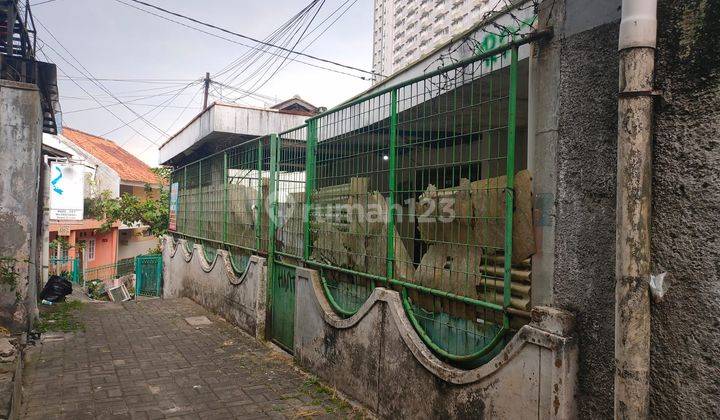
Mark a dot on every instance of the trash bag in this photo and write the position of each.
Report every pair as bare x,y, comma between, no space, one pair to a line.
56,289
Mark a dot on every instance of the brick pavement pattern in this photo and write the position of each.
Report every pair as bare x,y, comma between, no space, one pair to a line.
143,360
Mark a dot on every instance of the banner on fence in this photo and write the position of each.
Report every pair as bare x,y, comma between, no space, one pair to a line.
173,206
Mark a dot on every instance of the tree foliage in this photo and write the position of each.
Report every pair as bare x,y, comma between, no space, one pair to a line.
130,209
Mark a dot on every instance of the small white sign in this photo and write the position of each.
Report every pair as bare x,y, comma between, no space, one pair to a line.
66,191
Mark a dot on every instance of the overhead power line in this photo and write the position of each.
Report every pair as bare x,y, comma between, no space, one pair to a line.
140,80
260,74
160,106
238,42
142,93
89,74
258,41
135,102
306,46
100,103
182,112
41,2
75,111
272,38
283,35
245,92
90,77
90,94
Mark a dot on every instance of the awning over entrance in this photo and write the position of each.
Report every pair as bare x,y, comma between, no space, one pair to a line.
221,126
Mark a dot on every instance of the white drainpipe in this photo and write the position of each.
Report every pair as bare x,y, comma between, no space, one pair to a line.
638,34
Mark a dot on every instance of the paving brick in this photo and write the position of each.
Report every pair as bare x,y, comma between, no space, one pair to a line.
142,360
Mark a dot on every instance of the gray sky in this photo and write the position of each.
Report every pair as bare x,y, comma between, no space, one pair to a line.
115,41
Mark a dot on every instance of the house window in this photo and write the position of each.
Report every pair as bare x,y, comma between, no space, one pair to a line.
126,189
90,249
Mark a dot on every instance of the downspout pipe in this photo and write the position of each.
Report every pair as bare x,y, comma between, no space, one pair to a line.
638,35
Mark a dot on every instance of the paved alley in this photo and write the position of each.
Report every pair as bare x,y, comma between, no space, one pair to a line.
144,360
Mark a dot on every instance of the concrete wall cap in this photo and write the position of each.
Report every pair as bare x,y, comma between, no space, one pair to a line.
553,320
209,266
18,85
527,335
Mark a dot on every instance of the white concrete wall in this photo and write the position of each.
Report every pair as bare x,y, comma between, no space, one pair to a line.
377,358
231,119
136,247
238,297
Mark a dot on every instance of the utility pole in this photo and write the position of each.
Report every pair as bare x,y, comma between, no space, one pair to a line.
207,87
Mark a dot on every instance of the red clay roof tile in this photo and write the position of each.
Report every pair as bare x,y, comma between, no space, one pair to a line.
129,167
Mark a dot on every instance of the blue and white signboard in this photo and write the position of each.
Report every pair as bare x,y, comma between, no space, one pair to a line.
66,191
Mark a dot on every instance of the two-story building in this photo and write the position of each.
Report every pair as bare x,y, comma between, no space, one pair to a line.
106,167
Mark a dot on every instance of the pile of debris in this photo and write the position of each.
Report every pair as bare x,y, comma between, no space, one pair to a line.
119,289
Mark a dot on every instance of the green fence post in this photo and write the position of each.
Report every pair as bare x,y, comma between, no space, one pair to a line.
271,224
509,188
259,204
390,268
76,271
225,198
138,277
158,276
199,204
273,194
185,189
309,183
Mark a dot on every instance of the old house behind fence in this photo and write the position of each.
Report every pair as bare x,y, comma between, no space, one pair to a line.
89,247
445,243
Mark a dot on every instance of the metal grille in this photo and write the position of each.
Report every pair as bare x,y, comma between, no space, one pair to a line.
66,267
421,188
451,164
222,198
148,275
413,188
110,271
212,198
191,198
290,193
242,194
239,260
265,201
209,251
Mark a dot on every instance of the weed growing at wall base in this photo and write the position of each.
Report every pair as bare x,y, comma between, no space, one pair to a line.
61,317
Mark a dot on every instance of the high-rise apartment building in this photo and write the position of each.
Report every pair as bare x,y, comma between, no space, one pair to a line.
407,29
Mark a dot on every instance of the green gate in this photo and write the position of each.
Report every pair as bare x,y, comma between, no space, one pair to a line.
66,267
148,275
282,305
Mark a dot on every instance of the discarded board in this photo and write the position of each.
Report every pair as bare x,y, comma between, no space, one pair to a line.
488,200
118,293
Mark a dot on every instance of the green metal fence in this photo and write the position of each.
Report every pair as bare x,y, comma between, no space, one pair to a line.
421,188
69,267
109,271
222,198
289,194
